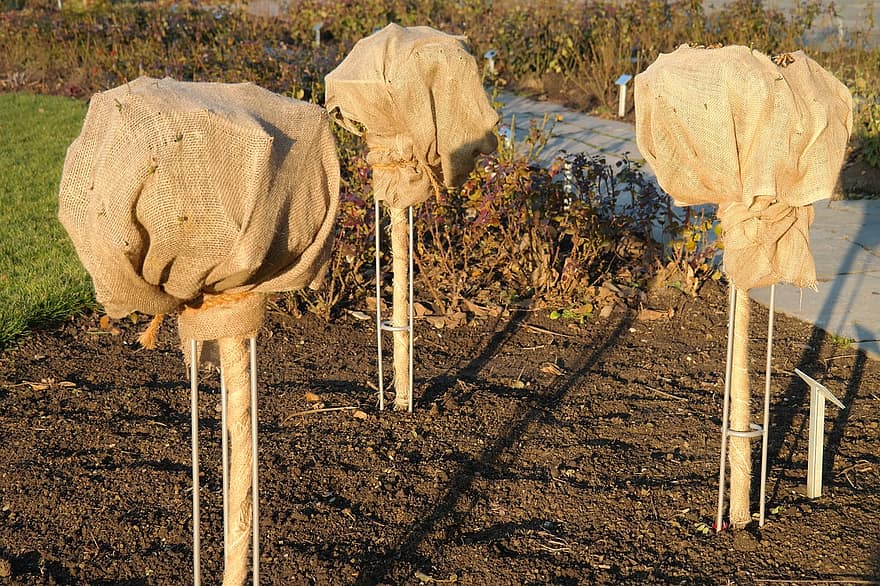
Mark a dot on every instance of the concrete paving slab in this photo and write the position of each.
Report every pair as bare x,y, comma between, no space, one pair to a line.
845,236
574,133
845,240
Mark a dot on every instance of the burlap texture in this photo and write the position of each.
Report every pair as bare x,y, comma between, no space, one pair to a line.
767,243
228,315
731,127
416,95
175,190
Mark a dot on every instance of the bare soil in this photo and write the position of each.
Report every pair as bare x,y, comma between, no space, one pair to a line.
539,452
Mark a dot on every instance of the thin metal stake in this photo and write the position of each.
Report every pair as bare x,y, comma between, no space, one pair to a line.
411,319
726,407
224,441
766,426
379,306
255,486
194,408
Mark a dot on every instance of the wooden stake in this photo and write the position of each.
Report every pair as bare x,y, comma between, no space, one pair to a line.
234,356
739,453
400,311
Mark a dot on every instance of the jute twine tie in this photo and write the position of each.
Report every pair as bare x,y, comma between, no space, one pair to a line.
421,168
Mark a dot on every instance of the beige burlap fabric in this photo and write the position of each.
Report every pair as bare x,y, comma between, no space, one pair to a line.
415,94
175,191
729,126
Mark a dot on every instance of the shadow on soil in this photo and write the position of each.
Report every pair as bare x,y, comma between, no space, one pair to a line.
491,458
796,393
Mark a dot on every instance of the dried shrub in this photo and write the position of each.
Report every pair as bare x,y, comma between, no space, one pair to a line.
577,235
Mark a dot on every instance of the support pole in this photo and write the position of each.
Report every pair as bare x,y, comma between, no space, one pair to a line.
194,413
402,312
224,447
725,408
766,424
740,447
378,218
255,466
402,315
621,102
234,358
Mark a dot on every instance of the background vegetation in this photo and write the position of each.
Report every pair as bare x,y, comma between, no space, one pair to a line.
516,233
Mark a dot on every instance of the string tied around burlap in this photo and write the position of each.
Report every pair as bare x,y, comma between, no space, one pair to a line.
211,317
400,179
767,242
214,317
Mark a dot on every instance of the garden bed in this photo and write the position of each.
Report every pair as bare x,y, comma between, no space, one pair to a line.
539,452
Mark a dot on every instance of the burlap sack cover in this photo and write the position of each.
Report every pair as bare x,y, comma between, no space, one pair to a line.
175,190
763,141
416,95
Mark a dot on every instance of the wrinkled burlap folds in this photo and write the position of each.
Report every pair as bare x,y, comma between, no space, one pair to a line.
729,126
767,243
178,190
416,96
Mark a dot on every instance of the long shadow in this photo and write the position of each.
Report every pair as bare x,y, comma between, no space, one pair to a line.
835,436
783,414
376,571
440,383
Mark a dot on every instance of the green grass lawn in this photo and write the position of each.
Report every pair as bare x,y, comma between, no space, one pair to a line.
41,279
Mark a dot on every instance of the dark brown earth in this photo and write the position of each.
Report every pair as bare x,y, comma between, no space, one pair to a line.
539,452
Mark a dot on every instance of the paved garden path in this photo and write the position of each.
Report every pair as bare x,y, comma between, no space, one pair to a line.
845,236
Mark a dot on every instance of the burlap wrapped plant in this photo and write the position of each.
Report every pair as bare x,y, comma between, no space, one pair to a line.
763,139
202,198
178,190
416,97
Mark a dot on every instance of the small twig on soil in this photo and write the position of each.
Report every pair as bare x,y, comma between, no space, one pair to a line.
304,357
851,483
860,466
541,330
557,544
665,394
827,360
538,347
311,411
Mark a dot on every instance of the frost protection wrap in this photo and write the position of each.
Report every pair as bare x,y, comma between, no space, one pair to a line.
416,95
175,192
729,126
